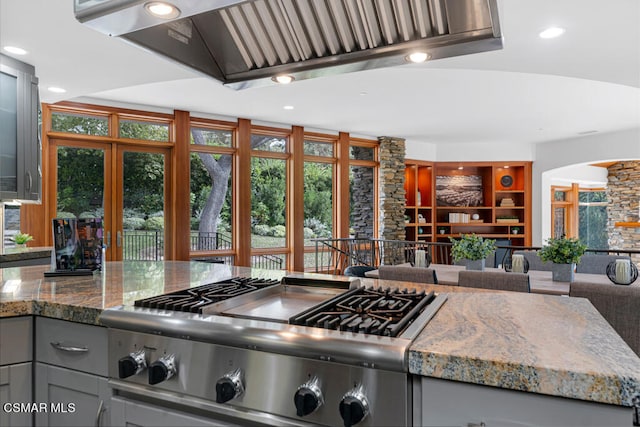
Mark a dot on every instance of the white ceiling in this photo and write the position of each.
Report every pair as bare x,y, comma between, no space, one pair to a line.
534,90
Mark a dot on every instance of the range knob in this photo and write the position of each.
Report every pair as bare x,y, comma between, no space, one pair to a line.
162,369
354,407
132,364
308,397
229,386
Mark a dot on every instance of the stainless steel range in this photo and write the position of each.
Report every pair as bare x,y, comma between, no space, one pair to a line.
293,352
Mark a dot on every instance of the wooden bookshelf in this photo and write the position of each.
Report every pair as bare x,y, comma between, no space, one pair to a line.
490,199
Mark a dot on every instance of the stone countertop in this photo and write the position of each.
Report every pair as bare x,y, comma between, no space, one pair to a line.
20,254
539,343
543,344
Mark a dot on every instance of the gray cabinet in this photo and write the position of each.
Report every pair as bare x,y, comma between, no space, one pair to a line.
450,403
15,369
20,148
71,373
131,413
74,398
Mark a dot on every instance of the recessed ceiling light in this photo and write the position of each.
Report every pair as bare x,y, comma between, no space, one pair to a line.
288,107
56,89
506,166
460,167
283,79
162,10
551,32
15,50
418,57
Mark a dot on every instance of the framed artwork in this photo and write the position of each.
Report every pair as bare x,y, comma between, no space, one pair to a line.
459,190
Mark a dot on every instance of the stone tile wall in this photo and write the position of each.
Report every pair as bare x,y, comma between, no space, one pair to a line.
391,188
623,196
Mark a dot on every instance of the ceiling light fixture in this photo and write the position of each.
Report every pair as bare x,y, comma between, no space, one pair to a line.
56,89
417,57
288,107
283,79
161,9
15,50
551,32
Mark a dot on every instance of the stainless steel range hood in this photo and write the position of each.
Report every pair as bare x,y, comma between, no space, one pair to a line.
247,43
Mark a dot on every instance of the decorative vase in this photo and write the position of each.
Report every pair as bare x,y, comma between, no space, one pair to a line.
562,272
476,264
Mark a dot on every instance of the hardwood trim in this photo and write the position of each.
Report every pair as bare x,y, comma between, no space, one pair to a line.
213,123
181,175
341,217
627,224
296,201
242,194
102,110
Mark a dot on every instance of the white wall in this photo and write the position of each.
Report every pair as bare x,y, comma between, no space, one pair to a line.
554,163
551,159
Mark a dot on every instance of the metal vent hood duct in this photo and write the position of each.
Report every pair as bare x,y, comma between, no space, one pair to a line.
246,43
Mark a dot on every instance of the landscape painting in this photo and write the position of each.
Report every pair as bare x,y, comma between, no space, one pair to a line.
459,190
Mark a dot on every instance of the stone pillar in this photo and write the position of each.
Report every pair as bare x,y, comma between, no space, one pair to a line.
391,188
623,197
362,192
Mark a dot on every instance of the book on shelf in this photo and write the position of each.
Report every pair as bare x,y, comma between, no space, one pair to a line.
507,203
459,217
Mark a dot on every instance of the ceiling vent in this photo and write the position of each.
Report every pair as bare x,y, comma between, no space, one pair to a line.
248,43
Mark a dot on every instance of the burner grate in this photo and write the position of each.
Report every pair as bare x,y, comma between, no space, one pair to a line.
381,311
193,300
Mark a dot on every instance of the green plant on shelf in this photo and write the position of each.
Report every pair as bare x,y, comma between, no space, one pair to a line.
471,247
515,230
563,250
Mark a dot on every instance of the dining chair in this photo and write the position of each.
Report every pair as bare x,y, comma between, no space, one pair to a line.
596,263
496,280
618,304
408,274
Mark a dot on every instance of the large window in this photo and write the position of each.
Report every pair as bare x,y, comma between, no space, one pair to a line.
592,217
185,187
580,212
211,192
269,194
362,184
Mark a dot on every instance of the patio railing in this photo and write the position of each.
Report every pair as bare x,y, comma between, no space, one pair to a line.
143,245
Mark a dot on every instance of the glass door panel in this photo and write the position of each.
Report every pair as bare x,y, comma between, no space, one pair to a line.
81,189
141,207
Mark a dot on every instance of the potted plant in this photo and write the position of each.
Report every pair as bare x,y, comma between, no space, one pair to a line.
21,239
564,253
473,248
442,230
515,230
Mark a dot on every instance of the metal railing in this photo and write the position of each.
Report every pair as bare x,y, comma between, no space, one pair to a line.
143,245
334,255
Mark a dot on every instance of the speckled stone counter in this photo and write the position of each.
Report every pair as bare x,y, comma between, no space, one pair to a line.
11,257
544,344
25,290
539,343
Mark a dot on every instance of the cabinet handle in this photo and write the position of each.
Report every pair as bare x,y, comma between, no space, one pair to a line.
118,239
30,181
70,349
108,238
99,414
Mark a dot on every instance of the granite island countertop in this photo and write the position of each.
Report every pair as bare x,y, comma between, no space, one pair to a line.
544,344
8,255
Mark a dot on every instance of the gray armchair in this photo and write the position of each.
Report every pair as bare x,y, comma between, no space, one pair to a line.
497,280
619,305
408,274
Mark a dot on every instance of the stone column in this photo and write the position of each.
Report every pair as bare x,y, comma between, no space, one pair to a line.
391,188
623,197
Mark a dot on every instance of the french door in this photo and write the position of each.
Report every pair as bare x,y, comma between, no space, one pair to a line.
124,185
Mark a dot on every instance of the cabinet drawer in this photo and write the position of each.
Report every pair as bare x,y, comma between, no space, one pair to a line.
72,345
17,340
